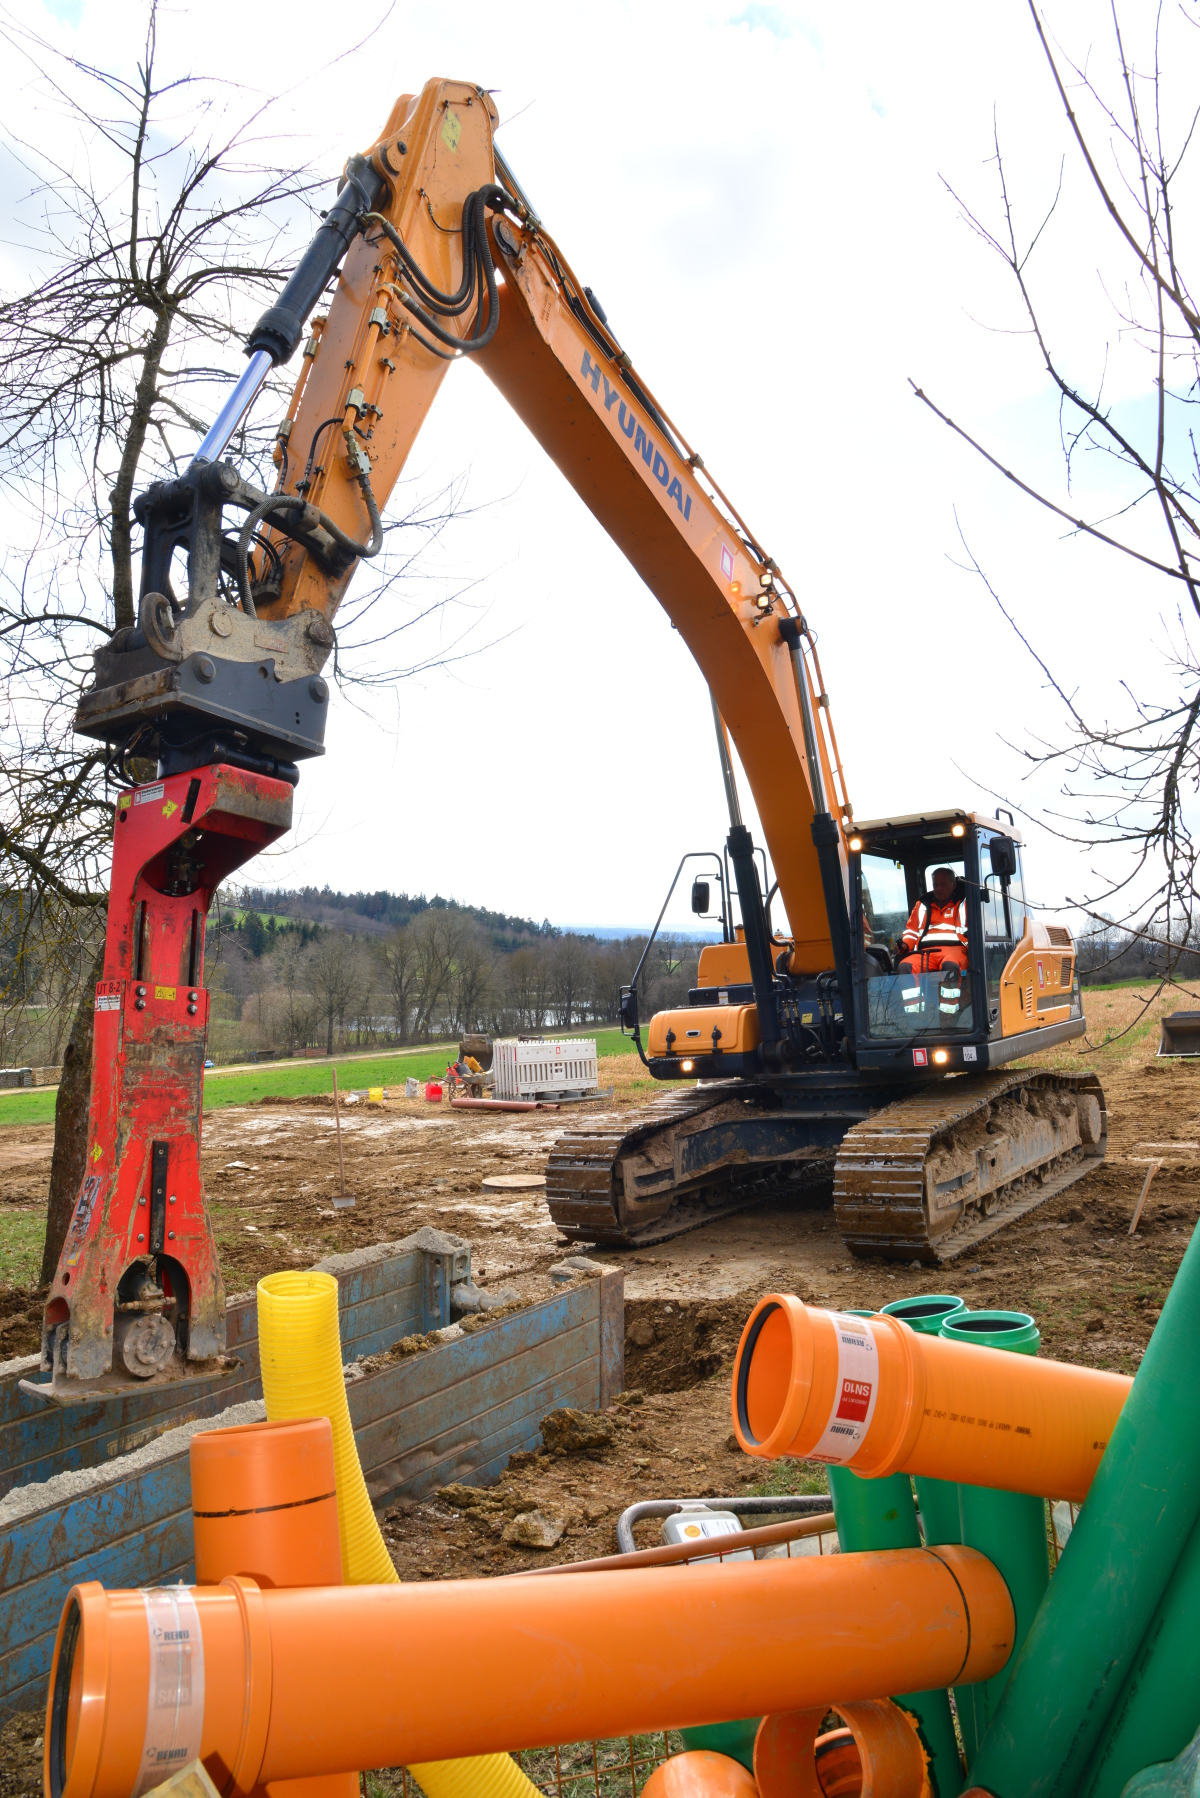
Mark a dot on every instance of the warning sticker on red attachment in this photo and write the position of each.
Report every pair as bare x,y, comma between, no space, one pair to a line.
854,1393
108,995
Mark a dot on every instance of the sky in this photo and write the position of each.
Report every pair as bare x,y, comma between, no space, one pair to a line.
760,197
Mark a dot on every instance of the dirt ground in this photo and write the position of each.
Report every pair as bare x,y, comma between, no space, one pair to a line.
271,1171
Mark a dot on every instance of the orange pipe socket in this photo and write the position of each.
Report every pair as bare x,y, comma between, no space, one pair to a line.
700,1773
312,1680
878,1755
264,1505
871,1394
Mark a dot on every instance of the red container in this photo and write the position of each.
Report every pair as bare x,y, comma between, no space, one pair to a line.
433,1091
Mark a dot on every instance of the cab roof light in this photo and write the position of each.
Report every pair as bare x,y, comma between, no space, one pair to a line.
958,830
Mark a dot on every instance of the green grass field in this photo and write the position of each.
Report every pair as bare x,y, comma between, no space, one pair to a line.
292,1079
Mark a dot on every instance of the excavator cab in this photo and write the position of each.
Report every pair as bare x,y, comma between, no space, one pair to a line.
950,968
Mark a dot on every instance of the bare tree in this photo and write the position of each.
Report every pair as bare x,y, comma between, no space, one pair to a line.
157,219
568,974
1128,783
470,981
438,937
397,956
334,976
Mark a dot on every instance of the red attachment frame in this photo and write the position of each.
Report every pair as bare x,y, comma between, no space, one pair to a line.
141,1216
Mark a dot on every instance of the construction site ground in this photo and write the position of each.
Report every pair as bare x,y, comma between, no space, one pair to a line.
271,1172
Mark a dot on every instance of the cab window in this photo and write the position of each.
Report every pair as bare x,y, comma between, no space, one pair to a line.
885,899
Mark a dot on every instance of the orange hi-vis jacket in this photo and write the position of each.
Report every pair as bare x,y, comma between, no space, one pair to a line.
937,926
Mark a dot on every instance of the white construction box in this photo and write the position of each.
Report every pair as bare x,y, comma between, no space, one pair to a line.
544,1070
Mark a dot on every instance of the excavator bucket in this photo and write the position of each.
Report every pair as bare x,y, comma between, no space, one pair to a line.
1181,1034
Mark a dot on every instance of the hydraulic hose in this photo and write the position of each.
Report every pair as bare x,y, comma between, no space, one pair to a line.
1119,1559
300,1348
871,1394
478,276
290,1684
292,502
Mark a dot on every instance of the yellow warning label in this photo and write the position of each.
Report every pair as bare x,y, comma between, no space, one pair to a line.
169,808
451,129
165,992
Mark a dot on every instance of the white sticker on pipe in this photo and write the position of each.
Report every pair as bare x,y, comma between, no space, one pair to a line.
175,1704
855,1392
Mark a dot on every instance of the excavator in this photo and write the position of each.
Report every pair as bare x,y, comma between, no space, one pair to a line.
816,1049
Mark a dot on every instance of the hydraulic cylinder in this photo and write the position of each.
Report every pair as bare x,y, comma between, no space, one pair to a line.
1119,1559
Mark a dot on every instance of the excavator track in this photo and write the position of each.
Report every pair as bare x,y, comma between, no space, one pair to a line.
933,1175
680,1162
925,1177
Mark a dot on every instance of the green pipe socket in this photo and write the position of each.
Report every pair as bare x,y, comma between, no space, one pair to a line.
1140,1512
1158,1708
881,1514
734,1739
937,1500
1008,1527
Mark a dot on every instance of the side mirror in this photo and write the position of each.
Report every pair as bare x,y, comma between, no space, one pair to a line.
628,1008
700,897
1003,852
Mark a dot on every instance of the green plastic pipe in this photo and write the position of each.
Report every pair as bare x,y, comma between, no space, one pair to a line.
881,1514
937,1500
1139,1514
1008,1527
1157,1712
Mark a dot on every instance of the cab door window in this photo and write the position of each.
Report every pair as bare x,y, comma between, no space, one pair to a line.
999,929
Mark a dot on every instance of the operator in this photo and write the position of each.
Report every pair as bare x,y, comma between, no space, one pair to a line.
938,924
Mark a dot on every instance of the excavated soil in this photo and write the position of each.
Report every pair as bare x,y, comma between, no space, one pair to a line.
271,1172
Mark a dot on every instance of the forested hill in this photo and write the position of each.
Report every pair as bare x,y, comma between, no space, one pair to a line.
373,914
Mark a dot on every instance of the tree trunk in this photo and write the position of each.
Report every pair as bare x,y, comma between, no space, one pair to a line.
329,1034
69,1162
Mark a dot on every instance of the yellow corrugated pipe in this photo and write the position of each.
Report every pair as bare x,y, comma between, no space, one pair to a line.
301,1353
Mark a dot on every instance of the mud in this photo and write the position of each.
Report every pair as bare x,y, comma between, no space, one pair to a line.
271,1171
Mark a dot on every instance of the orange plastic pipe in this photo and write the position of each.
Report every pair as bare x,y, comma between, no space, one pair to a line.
891,1762
700,1773
873,1395
264,1504
313,1680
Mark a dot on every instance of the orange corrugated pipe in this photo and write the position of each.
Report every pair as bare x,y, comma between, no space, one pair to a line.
885,1758
874,1395
313,1680
264,1504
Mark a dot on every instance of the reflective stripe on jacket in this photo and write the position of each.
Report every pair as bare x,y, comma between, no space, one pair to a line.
937,925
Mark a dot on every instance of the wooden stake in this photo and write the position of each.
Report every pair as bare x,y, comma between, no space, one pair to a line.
343,1198
1150,1173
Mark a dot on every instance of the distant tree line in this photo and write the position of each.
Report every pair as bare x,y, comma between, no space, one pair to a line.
292,987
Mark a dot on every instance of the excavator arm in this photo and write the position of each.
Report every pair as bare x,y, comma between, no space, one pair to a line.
447,258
